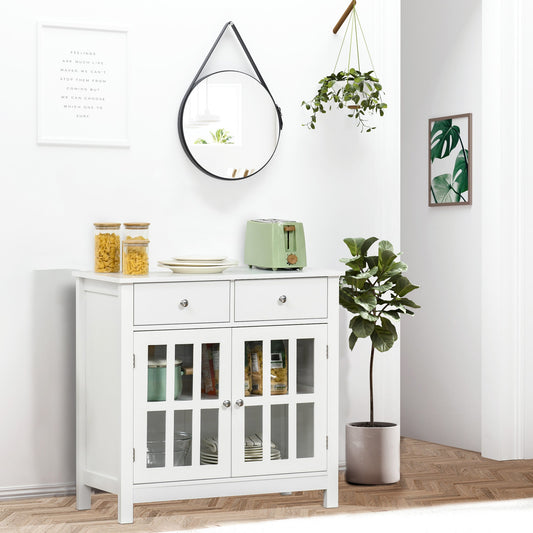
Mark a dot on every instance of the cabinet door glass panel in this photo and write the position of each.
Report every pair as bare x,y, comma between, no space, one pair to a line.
305,428
210,370
183,382
155,439
253,431
209,437
157,373
182,437
279,362
279,430
253,351
305,366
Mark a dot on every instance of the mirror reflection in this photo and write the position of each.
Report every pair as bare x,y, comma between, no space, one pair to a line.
229,125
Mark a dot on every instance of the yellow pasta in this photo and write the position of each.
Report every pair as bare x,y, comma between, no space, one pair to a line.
107,252
135,260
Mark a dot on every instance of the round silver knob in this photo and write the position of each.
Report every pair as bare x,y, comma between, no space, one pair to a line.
226,403
239,403
184,302
282,299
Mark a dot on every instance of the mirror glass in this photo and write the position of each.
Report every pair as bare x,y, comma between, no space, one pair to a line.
229,125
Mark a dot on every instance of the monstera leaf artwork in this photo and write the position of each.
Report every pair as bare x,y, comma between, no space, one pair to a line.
450,160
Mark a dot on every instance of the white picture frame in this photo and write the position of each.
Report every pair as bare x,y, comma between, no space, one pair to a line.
82,85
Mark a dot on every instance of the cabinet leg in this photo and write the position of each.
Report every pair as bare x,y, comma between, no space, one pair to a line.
125,509
331,497
83,497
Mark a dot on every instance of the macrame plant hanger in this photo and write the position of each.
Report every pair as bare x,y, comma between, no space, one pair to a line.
352,26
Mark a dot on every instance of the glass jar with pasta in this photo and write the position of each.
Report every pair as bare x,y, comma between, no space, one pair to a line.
136,230
106,247
135,257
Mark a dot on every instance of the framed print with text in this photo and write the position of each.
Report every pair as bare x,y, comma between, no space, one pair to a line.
82,85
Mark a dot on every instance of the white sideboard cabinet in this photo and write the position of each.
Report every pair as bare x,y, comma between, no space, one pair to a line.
192,386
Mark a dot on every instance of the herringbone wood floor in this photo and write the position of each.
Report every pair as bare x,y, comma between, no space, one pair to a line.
432,474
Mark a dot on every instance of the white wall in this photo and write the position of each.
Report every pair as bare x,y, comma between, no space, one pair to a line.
338,182
441,344
507,312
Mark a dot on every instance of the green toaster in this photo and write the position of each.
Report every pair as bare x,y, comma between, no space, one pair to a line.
274,244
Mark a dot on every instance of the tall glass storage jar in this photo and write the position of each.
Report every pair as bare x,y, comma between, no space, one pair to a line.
106,247
135,257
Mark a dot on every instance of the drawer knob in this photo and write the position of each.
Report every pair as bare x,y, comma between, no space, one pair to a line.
226,403
282,299
184,302
239,403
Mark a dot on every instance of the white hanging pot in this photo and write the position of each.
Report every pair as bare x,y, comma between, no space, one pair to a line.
372,453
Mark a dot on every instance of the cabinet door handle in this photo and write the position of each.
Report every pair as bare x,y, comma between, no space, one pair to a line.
226,403
184,302
239,403
282,299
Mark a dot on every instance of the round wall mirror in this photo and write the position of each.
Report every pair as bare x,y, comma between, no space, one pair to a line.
229,125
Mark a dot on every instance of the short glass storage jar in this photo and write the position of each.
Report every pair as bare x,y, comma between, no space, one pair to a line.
135,257
136,230
106,247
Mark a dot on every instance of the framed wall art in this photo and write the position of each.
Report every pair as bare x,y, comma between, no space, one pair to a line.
82,85
450,160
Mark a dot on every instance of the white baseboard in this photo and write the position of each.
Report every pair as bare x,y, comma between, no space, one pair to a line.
37,491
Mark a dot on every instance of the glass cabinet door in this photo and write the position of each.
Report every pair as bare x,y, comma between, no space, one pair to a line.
182,403
279,381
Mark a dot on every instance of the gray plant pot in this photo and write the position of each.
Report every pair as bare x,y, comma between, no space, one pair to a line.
372,453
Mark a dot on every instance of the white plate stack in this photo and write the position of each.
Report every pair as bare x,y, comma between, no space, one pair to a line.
198,264
253,450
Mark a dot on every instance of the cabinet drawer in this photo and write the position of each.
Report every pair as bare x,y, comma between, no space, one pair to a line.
263,299
181,303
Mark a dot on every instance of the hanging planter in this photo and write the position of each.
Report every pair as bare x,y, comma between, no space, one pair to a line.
358,92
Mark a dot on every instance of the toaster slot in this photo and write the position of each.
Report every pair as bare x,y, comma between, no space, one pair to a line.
290,239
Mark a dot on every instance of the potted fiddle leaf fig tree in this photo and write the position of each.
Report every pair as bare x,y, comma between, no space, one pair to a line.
374,290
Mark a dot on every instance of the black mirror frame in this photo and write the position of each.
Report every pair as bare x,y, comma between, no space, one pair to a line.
182,134
198,80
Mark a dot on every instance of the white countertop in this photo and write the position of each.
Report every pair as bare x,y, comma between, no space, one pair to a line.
242,272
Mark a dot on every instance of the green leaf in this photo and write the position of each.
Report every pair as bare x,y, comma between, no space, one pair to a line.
354,245
367,300
390,314
385,259
367,274
403,286
361,328
442,187
444,138
406,302
382,339
460,172
367,244
352,340
389,326
368,316
384,287
386,245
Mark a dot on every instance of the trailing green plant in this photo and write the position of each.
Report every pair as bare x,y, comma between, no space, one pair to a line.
357,91
374,290
360,94
449,187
